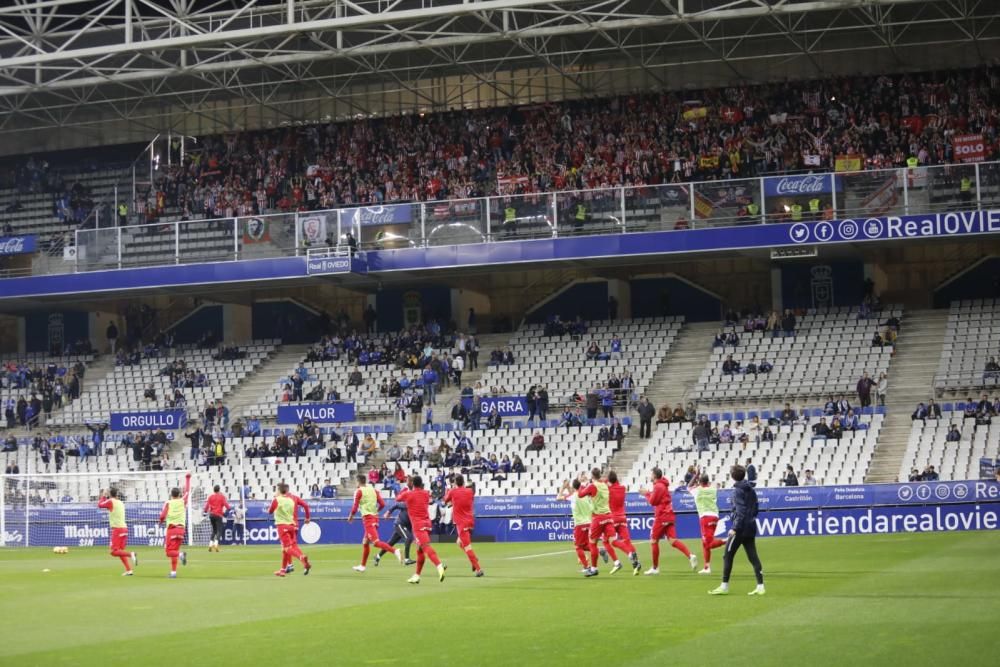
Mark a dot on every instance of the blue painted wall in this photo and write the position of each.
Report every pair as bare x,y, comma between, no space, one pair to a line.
40,328
818,284
427,302
980,282
200,322
286,320
588,300
655,297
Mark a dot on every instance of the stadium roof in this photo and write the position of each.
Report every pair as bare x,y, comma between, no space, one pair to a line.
58,56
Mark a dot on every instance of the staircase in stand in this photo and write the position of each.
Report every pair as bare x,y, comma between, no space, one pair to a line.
253,388
672,383
911,381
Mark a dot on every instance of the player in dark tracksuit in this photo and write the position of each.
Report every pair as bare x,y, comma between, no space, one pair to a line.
400,532
742,533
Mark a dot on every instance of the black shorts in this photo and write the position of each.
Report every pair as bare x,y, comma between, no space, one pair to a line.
218,523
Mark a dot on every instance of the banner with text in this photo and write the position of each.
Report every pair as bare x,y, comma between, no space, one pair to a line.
17,245
969,147
168,420
320,413
507,406
799,186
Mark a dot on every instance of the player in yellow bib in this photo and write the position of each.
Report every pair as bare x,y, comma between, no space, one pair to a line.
119,529
369,501
174,515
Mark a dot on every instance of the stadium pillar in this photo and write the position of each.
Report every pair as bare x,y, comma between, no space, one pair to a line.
691,202
763,206
555,216
423,225
833,194
489,222
621,194
906,190
979,194
177,242
298,241
236,238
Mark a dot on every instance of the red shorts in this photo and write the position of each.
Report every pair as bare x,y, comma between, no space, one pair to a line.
601,525
286,533
370,522
422,534
663,528
581,536
708,526
621,529
464,533
174,539
119,538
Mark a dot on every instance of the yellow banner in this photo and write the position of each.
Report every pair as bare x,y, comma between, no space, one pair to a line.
847,163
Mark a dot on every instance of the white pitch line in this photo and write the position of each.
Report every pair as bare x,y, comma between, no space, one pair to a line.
550,553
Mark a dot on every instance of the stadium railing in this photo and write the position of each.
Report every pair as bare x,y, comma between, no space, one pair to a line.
619,210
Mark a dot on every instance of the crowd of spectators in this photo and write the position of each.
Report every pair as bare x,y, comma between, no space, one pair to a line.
45,389
638,139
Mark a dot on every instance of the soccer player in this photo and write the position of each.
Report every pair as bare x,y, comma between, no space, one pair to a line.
119,529
664,521
462,498
601,523
583,511
706,499
417,500
369,500
216,507
616,501
401,532
174,514
743,532
285,508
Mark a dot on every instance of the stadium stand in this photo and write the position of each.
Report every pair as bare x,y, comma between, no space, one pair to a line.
45,377
561,363
970,344
828,354
124,388
953,459
566,450
843,461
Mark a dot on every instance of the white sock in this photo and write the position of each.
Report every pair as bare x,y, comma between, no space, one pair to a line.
724,586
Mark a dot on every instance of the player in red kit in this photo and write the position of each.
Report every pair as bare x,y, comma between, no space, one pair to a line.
216,507
417,500
285,508
461,498
616,501
664,521
174,515
119,529
369,500
601,524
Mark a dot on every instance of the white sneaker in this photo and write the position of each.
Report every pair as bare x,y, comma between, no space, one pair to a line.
757,591
652,571
359,568
617,566
399,556
694,562
127,573
415,579
705,570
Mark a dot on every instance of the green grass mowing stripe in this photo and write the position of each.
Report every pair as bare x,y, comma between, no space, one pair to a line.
864,599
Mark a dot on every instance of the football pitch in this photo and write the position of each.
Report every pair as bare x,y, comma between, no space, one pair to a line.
916,599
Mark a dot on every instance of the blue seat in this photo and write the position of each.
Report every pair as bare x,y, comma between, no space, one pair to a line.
727,416
626,421
713,416
265,433
816,412
960,405
880,410
740,416
390,428
946,407
765,414
518,424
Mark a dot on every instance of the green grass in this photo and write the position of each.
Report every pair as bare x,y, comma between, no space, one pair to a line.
917,599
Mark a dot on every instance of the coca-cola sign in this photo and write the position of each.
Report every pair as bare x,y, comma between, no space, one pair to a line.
798,186
17,245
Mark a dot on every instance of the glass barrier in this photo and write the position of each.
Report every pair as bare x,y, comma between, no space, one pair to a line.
264,236
651,208
674,206
989,184
520,217
97,249
870,194
727,203
456,221
385,227
586,212
942,188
